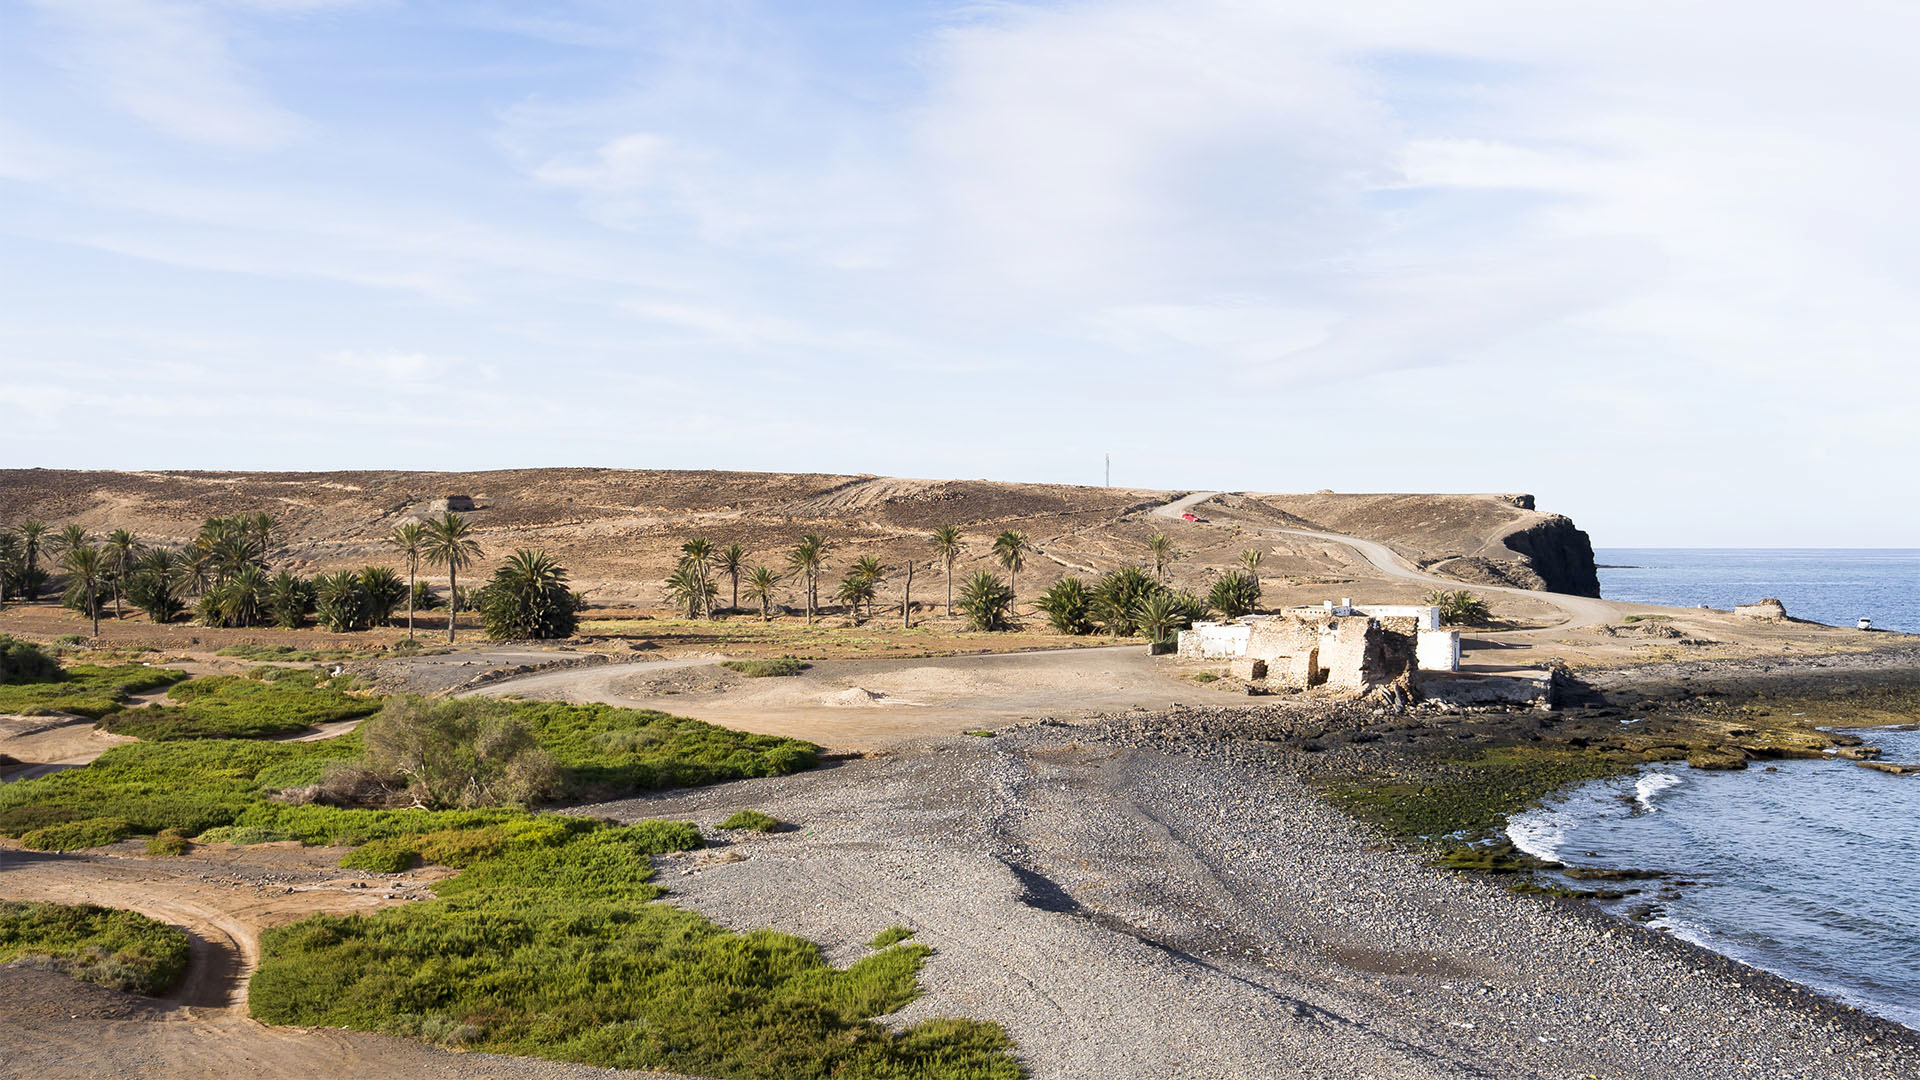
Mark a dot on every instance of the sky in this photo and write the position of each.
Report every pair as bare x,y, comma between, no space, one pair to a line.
1653,262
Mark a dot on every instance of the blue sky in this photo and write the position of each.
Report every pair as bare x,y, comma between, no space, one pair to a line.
1654,263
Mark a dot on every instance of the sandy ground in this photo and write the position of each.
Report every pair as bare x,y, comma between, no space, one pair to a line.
860,705
43,744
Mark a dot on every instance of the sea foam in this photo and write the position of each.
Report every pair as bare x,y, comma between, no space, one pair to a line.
1649,787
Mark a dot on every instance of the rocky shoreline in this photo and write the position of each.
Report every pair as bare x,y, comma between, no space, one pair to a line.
1170,894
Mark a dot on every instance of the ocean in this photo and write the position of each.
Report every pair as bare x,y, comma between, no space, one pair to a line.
1830,585
1808,869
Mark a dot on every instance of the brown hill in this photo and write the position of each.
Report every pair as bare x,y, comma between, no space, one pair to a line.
619,530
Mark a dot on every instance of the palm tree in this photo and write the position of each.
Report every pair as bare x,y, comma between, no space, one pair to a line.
986,600
383,591
289,599
732,561
196,569
1161,549
71,538
123,551
687,589
10,561
870,571
259,528
86,567
1250,562
946,546
1011,548
156,583
31,532
854,588
450,543
806,559
410,540
760,585
528,598
697,555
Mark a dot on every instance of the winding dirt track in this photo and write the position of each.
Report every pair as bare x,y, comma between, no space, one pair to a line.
1580,611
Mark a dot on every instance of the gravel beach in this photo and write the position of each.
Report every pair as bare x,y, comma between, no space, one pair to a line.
1148,897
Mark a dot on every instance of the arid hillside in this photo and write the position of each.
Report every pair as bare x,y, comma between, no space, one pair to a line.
619,530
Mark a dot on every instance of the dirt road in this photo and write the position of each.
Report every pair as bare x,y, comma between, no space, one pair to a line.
1580,611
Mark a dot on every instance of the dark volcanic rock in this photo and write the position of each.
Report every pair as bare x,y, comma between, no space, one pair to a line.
1560,553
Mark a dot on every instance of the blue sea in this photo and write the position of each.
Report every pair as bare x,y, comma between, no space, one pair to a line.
1831,585
1808,869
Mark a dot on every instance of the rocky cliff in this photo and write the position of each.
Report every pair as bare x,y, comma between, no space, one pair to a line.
1559,552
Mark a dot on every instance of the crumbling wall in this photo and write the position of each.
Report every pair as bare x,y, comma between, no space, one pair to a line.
1290,648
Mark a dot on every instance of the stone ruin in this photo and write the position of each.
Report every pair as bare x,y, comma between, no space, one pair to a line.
1769,608
1337,646
451,503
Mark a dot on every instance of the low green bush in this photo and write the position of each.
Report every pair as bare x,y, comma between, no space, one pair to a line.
265,703
192,785
892,935
75,835
761,669
24,662
752,820
85,690
244,834
553,948
120,949
168,842
603,751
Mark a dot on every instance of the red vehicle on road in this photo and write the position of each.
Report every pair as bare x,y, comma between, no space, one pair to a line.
1191,516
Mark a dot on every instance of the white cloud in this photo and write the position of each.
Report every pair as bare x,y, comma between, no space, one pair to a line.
168,63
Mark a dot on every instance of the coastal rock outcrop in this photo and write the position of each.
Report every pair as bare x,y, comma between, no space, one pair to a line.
1559,552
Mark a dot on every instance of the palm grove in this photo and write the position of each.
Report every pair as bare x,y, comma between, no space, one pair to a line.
225,576
1125,602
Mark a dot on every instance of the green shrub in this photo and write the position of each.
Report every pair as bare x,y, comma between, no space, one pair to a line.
753,820
1206,677
85,690
605,751
75,835
761,669
892,935
168,842
120,949
464,752
554,949
381,857
191,785
243,835
266,702
980,733
25,662
1460,608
